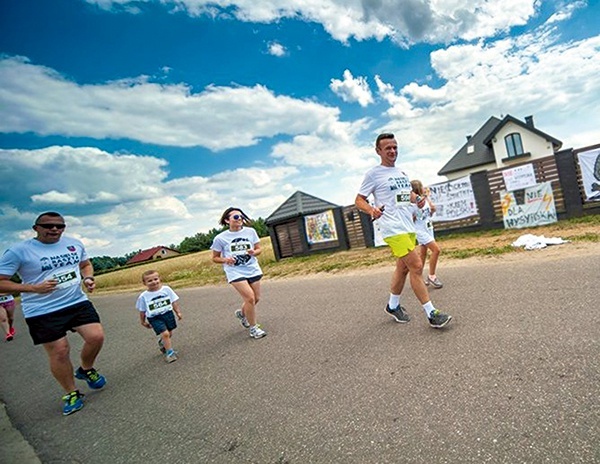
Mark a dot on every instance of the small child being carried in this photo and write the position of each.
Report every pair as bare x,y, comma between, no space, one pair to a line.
156,306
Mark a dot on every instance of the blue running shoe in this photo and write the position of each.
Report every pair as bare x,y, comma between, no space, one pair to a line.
73,402
399,314
94,380
437,320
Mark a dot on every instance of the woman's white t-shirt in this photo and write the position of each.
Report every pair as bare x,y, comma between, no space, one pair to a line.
236,245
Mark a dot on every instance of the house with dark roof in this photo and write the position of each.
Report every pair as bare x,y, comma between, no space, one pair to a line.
500,143
304,224
158,252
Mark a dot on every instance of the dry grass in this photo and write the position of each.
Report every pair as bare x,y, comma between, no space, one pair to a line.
197,269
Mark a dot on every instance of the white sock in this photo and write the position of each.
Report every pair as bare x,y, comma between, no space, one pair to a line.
394,301
428,307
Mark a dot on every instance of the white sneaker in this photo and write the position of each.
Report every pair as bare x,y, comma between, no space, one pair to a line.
242,318
257,332
436,283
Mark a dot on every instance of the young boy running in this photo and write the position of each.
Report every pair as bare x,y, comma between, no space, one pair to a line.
156,306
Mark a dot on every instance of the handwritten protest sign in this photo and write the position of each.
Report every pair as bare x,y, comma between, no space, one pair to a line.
530,207
453,199
519,177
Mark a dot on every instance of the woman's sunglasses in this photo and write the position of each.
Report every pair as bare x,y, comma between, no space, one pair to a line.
237,217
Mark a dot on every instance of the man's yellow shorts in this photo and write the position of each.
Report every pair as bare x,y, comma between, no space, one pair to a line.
402,244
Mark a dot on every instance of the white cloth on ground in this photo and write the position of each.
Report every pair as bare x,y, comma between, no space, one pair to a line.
536,242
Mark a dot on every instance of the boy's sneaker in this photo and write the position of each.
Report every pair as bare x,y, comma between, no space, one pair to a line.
94,380
242,318
398,313
257,332
9,337
73,402
435,282
161,346
171,357
437,320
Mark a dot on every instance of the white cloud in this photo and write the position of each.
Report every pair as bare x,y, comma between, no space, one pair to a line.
566,11
276,49
406,22
139,208
351,89
527,75
36,98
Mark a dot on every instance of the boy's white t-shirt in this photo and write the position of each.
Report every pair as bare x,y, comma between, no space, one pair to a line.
236,245
390,187
160,301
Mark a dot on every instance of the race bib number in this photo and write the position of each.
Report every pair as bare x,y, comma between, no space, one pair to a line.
403,198
240,248
429,225
66,278
159,306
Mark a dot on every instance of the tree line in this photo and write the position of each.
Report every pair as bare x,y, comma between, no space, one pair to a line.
199,242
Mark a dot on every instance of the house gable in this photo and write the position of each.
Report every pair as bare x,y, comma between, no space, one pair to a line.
475,152
299,204
487,148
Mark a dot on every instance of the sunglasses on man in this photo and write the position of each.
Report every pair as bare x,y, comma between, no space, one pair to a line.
52,226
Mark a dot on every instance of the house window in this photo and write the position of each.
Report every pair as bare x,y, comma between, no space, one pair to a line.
514,147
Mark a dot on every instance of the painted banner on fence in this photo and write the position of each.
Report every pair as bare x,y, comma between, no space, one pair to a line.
589,163
519,177
320,227
453,200
533,206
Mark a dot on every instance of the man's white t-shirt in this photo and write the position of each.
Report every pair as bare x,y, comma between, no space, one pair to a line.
390,187
236,245
36,262
160,301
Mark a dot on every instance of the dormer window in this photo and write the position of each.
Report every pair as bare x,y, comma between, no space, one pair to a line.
470,149
514,146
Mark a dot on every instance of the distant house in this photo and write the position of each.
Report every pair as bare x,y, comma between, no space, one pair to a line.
499,144
151,254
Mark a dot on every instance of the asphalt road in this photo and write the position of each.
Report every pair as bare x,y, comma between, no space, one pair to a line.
515,378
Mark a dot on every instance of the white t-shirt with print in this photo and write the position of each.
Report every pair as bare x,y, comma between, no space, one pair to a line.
236,245
423,224
390,187
36,262
160,301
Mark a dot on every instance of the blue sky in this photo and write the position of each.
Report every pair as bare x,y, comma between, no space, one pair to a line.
141,121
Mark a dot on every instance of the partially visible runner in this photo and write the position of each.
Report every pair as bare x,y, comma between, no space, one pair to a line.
7,315
156,306
52,269
394,200
425,235
236,249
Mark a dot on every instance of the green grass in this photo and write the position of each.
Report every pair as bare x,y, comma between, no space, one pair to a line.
197,269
